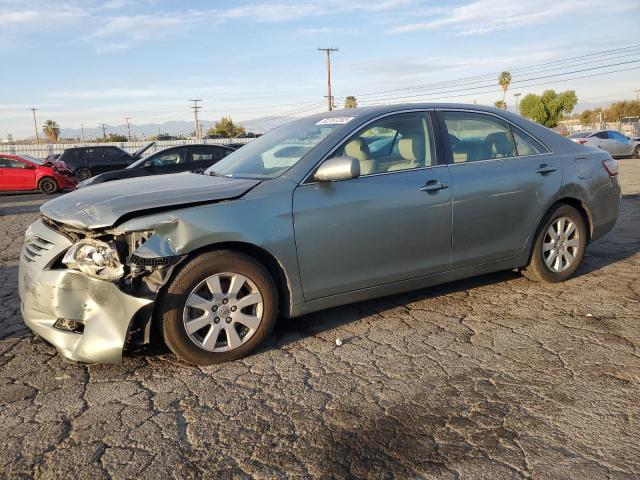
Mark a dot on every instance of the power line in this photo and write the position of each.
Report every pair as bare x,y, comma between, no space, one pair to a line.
196,108
328,52
522,86
516,70
128,128
35,124
473,88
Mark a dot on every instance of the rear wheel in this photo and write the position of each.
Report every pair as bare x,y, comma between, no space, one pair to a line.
559,246
47,185
219,307
83,173
636,152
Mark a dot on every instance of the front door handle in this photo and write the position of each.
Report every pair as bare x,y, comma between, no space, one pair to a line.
544,168
433,186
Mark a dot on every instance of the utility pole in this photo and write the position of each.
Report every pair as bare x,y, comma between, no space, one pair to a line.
82,131
517,95
196,108
104,132
128,128
329,96
35,124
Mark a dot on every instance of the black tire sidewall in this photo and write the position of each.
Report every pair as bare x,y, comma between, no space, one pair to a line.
174,298
83,169
537,258
47,180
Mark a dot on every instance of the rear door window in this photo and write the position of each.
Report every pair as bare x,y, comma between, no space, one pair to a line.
207,153
476,136
526,144
172,157
112,155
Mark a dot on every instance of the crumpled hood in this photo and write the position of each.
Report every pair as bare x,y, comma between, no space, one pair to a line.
102,205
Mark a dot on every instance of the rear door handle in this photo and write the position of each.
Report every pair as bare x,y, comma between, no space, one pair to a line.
434,186
544,168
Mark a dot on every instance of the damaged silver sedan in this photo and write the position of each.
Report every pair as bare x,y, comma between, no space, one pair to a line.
332,209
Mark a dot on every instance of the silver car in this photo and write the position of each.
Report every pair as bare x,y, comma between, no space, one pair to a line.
616,143
331,209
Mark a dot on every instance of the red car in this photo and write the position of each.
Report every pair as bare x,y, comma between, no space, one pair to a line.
23,172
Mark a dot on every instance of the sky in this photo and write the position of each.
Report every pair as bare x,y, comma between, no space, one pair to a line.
89,62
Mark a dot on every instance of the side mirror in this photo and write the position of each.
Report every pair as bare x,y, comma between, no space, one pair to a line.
338,168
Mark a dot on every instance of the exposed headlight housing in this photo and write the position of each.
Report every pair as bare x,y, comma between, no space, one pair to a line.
95,259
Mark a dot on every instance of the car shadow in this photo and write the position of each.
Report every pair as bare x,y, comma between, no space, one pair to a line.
11,323
23,203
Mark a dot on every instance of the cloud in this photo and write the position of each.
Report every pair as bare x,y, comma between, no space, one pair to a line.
140,27
109,93
33,17
482,16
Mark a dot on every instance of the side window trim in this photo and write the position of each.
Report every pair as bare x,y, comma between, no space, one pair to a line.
513,127
447,146
438,144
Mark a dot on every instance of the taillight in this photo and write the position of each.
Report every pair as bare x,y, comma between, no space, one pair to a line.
581,142
611,166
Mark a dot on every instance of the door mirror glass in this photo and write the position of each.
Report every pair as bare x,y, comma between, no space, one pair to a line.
338,168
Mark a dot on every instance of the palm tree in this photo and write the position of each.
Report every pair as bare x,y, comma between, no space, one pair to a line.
350,102
52,130
504,80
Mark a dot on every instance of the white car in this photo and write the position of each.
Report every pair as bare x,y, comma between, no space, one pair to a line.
616,143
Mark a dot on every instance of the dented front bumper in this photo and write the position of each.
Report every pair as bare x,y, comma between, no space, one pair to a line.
48,295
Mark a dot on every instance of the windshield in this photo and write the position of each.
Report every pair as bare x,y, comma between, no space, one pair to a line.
37,161
274,153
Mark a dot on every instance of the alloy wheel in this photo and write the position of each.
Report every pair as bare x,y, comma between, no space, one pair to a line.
223,312
561,244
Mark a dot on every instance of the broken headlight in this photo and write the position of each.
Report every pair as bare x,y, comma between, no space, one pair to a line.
95,259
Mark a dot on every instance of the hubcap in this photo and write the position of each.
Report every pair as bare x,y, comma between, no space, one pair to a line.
560,245
223,312
83,174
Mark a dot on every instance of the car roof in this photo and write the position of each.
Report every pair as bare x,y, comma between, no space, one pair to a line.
92,146
356,112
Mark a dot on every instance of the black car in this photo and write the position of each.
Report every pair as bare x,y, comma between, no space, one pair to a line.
86,162
184,158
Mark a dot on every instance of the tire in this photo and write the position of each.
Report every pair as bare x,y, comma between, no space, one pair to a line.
83,173
189,287
557,252
47,185
636,152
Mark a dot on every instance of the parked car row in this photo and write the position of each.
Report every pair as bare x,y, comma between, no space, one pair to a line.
616,143
98,164
25,173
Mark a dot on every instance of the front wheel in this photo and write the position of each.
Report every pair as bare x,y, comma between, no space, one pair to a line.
47,186
559,246
636,152
219,307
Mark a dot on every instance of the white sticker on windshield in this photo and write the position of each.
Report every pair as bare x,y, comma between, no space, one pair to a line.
334,120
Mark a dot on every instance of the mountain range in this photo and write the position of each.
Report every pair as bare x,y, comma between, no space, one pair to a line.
258,125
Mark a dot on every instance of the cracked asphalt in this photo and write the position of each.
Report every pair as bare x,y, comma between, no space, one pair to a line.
493,377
